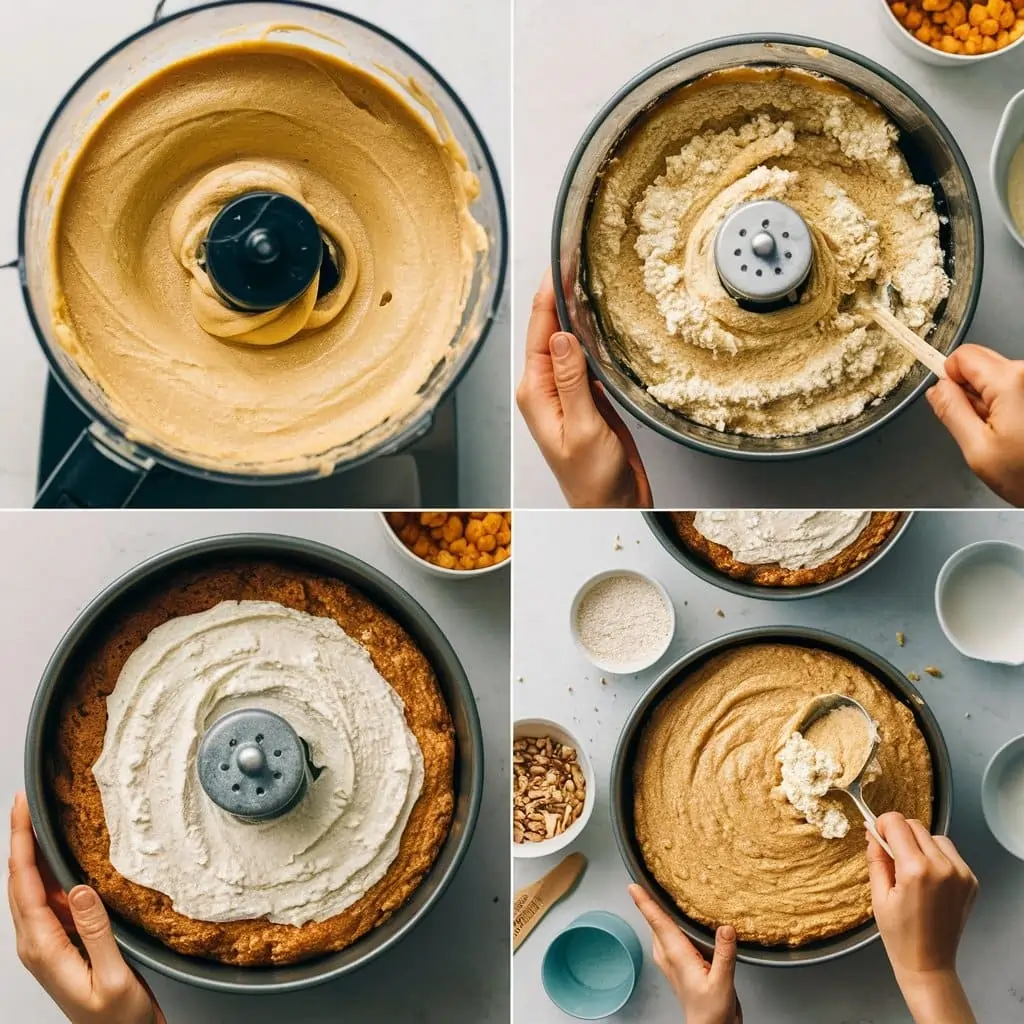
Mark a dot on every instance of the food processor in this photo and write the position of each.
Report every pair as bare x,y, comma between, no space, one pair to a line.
255,256
252,763
762,250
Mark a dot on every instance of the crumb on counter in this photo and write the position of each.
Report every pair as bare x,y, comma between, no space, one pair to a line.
913,677
901,639
933,671
720,613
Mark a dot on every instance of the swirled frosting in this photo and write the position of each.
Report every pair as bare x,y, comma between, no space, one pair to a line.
307,865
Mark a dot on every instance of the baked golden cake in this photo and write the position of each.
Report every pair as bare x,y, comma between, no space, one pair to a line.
82,725
784,547
713,826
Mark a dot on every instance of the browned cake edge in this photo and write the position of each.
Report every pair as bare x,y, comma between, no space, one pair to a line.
721,559
82,725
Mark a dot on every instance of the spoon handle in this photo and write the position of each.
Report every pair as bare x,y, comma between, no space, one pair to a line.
869,820
915,345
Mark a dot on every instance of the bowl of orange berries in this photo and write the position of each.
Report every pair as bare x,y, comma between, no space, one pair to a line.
454,544
952,32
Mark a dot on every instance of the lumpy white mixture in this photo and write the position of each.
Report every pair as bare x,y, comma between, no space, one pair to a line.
323,855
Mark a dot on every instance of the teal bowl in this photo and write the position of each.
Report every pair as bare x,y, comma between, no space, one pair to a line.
591,969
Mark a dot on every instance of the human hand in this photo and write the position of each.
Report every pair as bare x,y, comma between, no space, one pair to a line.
982,406
706,992
921,902
584,440
95,988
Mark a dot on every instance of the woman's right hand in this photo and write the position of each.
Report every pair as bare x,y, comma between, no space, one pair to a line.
92,986
921,900
982,406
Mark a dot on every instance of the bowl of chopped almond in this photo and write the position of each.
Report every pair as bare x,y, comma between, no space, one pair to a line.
457,545
948,33
553,788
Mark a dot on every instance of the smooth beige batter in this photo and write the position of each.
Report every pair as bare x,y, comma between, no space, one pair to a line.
273,392
713,829
740,136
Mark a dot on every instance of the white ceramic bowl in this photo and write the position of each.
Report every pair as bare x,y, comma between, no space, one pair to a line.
436,570
628,668
540,727
928,54
1009,757
979,594
1009,137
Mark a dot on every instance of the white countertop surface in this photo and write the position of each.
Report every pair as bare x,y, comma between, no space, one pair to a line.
572,56
46,45
454,967
556,552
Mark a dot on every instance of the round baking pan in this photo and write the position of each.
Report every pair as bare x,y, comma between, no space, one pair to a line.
662,527
934,159
386,594
622,782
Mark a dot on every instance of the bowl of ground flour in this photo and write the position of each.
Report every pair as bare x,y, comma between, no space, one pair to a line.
622,621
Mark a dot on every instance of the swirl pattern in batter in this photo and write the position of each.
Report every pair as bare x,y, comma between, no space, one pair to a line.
713,826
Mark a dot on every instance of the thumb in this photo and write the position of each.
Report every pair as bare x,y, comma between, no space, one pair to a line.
881,872
951,405
723,964
571,379
93,927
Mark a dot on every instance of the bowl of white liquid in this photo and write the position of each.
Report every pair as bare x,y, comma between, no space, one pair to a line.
1002,796
978,598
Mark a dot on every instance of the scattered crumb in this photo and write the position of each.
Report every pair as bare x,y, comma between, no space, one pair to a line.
918,701
913,677
685,603
617,546
638,540
967,715
935,673
570,689
520,679
901,639
604,682
720,613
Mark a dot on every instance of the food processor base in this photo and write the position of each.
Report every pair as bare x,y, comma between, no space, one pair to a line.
424,475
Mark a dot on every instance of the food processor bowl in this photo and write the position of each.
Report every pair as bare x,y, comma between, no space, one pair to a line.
622,793
468,778
661,525
107,463
934,158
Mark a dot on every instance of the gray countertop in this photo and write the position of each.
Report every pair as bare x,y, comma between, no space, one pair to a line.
46,44
571,57
454,967
556,552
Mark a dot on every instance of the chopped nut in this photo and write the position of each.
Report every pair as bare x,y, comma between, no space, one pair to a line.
720,613
549,790
913,677
901,639
935,673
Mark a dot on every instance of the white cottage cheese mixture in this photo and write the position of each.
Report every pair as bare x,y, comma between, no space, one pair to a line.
791,538
703,150
807,775
311,863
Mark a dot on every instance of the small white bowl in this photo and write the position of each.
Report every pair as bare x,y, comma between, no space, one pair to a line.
979,595
907,42
1009,757
437,570
540,727
631,667
1009,137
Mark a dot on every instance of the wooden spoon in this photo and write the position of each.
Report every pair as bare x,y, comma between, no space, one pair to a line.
533,902
913,343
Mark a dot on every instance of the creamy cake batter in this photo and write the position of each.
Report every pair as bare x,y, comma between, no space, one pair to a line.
714,828
267,392
743,135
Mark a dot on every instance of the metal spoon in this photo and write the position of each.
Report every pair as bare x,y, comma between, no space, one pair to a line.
818,708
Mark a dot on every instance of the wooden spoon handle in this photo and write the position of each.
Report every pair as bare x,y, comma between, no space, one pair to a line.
913,343
533,902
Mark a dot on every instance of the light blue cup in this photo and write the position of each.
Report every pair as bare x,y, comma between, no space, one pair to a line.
591,969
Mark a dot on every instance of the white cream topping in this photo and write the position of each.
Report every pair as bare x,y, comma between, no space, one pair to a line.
792,538
807,775
307,865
